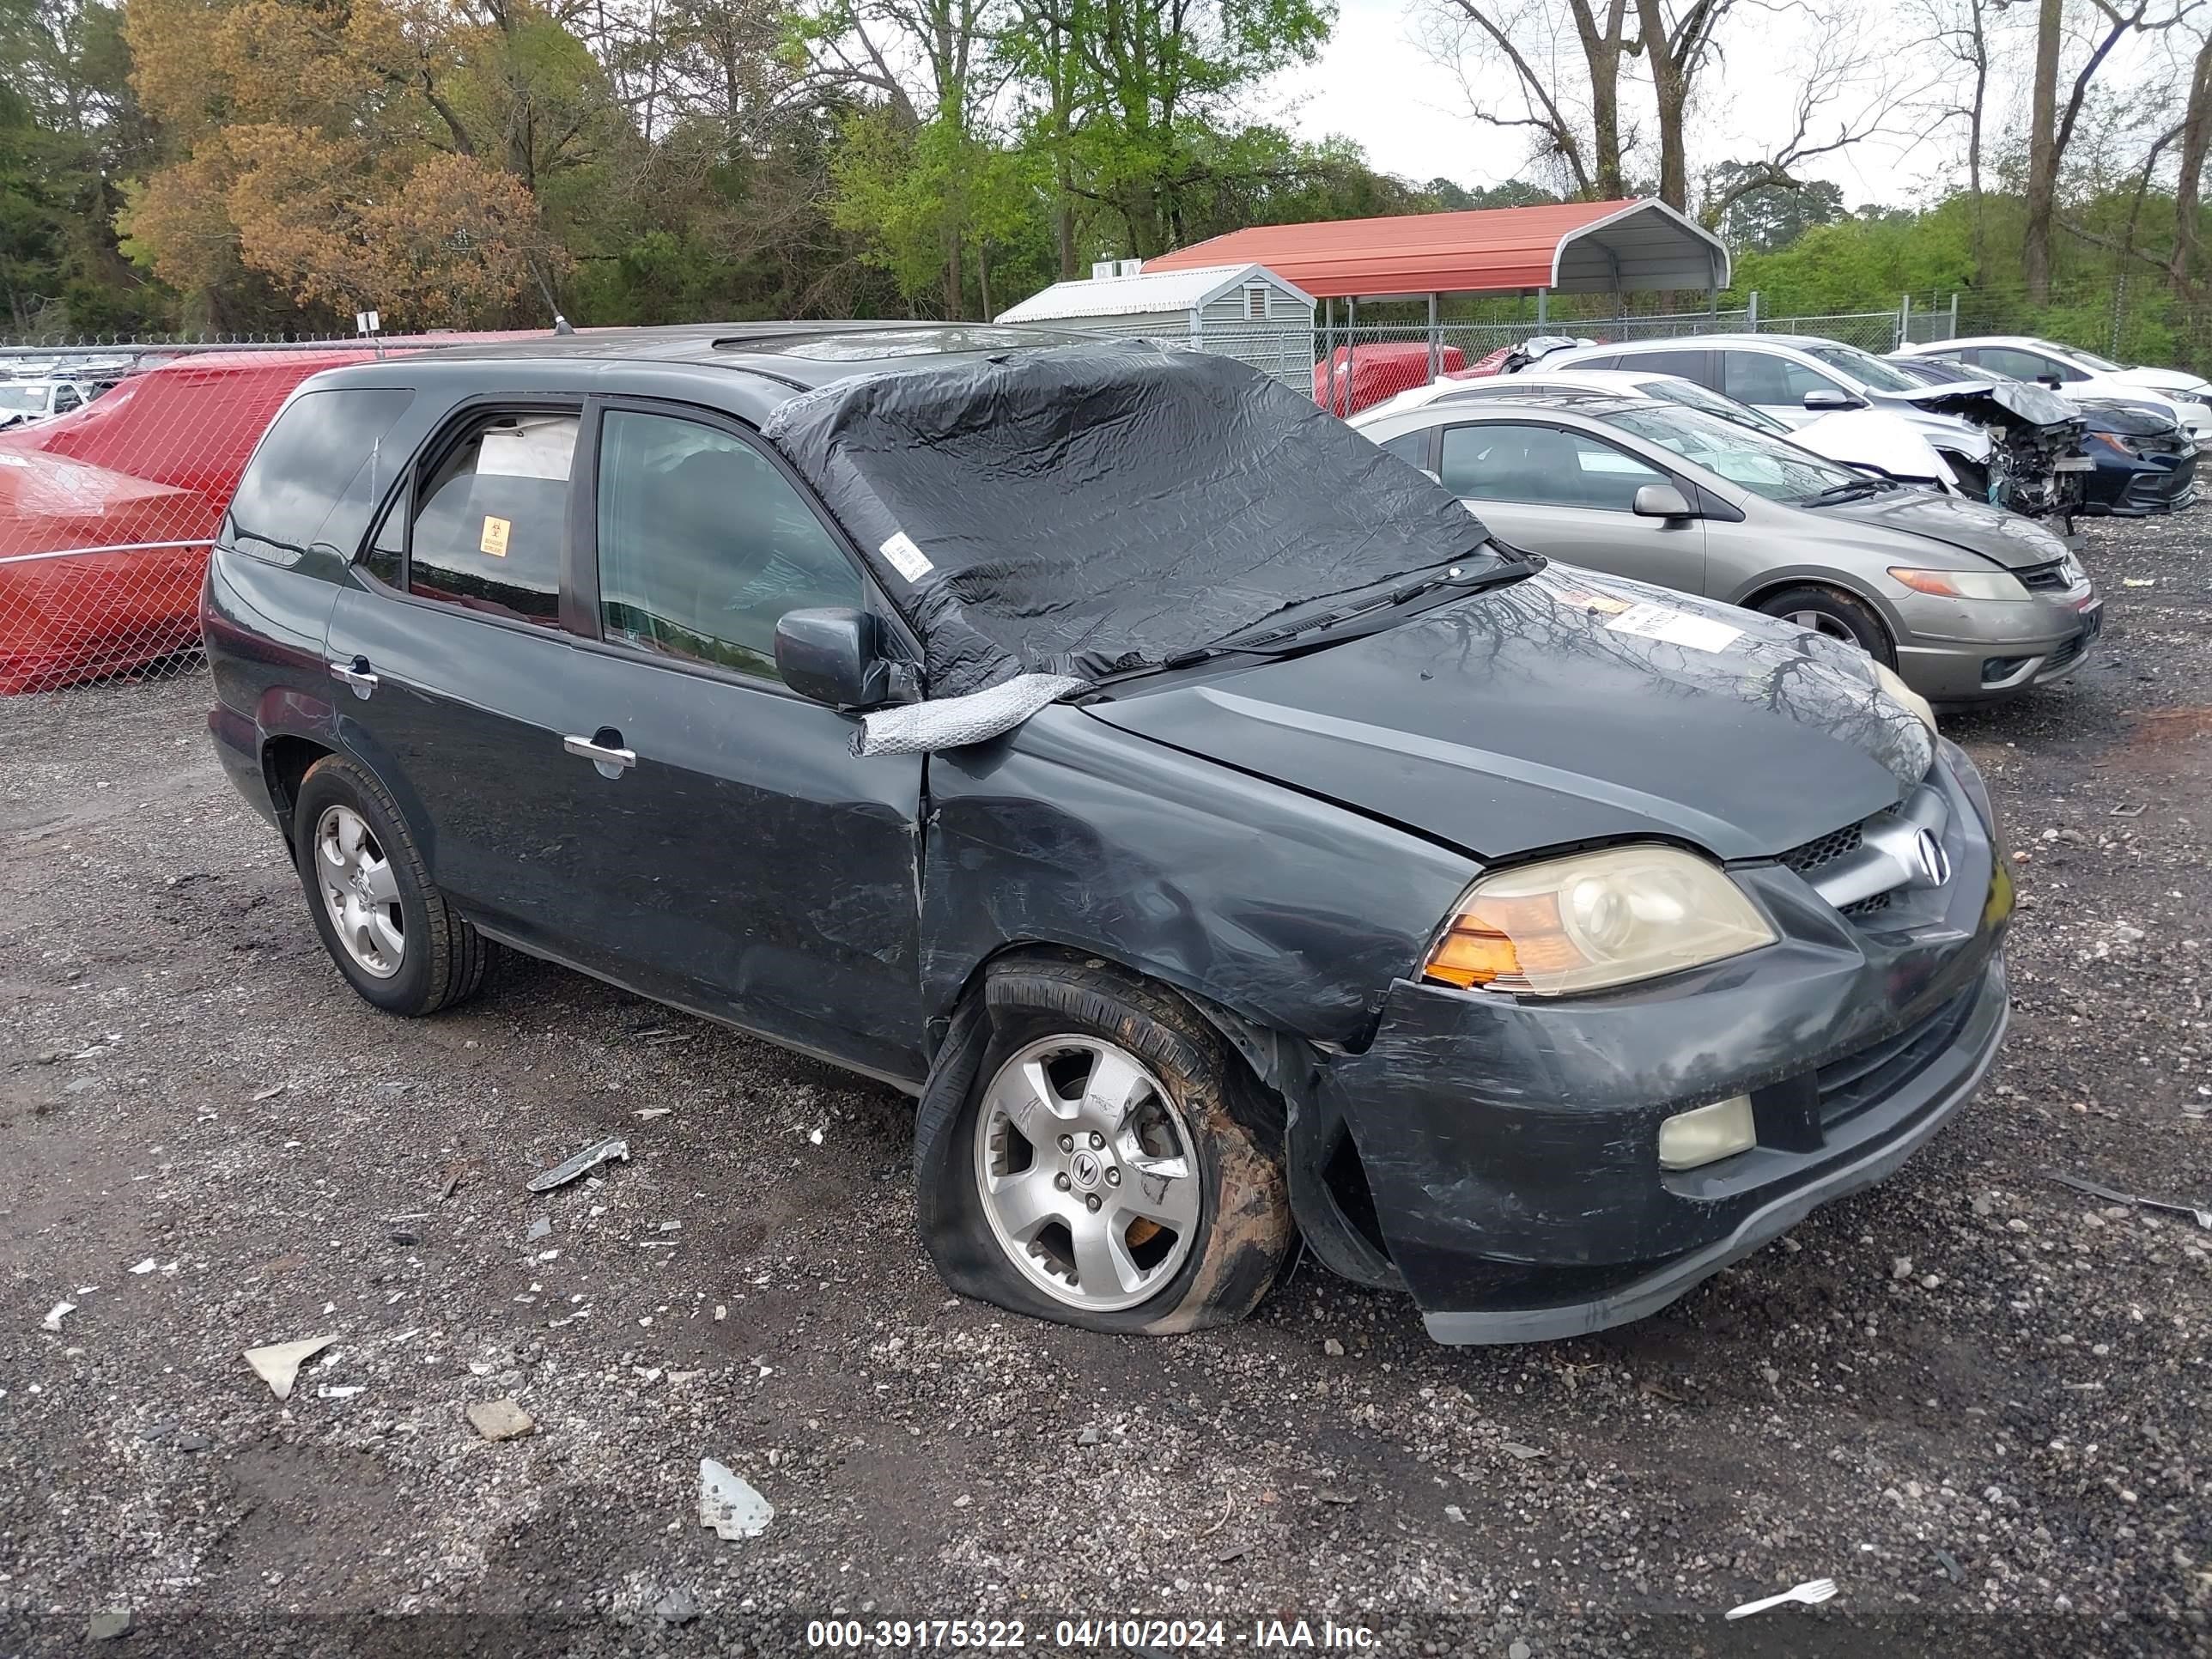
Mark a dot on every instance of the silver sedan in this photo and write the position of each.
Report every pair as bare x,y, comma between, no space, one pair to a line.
1968,603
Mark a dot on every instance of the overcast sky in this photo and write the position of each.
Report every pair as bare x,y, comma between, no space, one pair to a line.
1374,84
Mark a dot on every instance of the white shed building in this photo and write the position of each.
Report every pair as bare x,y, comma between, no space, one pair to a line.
1245,311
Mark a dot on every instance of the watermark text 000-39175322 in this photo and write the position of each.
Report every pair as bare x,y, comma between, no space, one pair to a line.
1124,1634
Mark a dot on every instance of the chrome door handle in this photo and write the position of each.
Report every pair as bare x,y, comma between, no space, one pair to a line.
356,675
611,761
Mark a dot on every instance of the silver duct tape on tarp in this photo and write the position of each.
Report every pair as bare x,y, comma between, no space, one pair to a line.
918,728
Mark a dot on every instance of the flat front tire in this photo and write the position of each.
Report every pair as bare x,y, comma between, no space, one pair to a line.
1098,1156
390,930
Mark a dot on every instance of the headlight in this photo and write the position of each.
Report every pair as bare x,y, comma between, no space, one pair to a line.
2113,440
1593,920
1887,678
1962,584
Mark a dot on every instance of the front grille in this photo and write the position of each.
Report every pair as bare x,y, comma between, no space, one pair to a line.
1826,849
1868,907
2045,577
2066,652
1849,1085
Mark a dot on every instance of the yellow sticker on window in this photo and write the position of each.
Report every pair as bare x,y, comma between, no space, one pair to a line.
494,540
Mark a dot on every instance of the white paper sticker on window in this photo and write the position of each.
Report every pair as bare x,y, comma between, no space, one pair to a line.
533,447
1659,621
909,560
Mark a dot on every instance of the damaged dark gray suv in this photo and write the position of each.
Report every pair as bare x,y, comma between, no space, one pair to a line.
1219,833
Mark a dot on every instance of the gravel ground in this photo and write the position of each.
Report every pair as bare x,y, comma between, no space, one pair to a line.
1973,1397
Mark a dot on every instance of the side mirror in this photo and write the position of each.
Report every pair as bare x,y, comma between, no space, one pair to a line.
1662,502
835,656
1827,399
2050,380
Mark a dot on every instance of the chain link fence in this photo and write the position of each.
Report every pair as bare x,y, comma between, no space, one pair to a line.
117,457
117,461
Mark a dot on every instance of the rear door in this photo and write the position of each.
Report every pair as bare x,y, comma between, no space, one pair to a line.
456,678
1570,495
746,862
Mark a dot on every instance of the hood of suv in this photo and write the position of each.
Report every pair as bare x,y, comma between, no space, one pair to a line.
2013,541
1566,708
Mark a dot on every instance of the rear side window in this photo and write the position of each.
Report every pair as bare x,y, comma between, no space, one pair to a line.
317,475
1690,364
489,521
1411,447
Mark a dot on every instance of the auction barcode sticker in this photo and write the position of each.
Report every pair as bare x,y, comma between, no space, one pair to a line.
1659,621
909,560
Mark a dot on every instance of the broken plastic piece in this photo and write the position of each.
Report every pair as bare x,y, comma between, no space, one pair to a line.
55,1315
591,1158
729,1505
278,1365
2201,1218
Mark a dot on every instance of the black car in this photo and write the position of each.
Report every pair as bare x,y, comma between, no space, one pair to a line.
2142,462
1187,801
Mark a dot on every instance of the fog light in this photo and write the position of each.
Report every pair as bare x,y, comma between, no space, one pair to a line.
1689,1138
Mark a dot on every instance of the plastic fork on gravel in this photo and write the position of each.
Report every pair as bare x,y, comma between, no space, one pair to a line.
1811,1593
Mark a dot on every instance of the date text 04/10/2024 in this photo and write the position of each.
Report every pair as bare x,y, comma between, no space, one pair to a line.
1078,1635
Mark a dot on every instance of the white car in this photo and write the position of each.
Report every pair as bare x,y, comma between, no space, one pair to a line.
1870,438
2079,374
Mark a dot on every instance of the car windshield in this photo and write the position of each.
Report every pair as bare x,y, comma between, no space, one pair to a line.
1866,370
23,399
1691,395
2086,359
1764,465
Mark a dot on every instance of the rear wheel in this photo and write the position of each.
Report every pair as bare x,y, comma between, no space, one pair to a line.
1109,1163
1838,615
392,935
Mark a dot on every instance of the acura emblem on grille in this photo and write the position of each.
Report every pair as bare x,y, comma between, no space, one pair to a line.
1934,864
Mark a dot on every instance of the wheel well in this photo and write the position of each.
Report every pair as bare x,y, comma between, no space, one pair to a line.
284,762
1753,601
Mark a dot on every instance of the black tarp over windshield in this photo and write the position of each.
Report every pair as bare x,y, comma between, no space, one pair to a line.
1084,509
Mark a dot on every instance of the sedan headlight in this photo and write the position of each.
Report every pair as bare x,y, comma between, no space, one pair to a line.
2114,441
1888,679
1963,584
1593,920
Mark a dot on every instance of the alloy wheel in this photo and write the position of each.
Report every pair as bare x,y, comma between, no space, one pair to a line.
360,891
1821,623
1087,1172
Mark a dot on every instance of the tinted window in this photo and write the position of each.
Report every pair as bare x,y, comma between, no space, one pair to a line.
1690,364
1502,462
488,534
704,544
1595,363
1411,447
1760,377
2026,365
317,473
386,558
65,399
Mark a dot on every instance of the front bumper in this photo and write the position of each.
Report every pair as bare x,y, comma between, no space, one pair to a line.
2141,488
1510,1147
1956,652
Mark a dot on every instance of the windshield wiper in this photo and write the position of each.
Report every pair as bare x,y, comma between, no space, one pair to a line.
1851,490
1368,616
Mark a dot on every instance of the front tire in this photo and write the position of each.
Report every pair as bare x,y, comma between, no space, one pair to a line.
1098,1156
390,930
1842,617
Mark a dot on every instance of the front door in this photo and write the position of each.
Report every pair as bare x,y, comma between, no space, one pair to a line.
1570,496
749,865
1770,382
